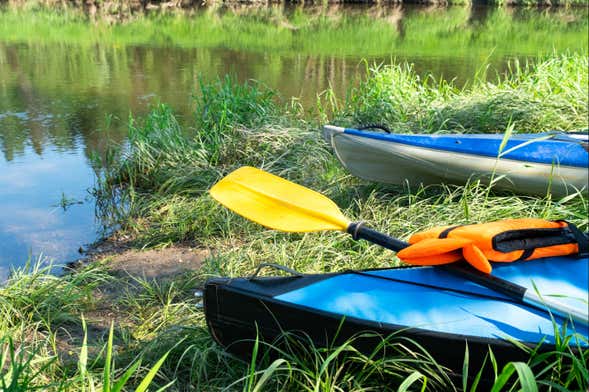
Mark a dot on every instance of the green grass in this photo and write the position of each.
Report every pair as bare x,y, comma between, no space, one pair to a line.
53,332
44,342
161,340
532,98
166,172
324,31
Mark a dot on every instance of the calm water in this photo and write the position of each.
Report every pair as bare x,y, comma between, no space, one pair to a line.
61,78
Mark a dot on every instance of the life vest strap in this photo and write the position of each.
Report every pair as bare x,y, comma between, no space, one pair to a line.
524,239
528,240
444,234
582,240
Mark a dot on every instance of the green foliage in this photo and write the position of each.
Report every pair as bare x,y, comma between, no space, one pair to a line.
32,295
321,30
39,312
225,105
533,98
396,363
226,102
21,369
294,362
166,171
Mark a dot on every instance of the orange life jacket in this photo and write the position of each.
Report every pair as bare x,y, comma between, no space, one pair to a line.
502,241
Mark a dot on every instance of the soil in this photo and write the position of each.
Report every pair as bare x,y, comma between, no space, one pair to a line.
127,265
126,260
157,263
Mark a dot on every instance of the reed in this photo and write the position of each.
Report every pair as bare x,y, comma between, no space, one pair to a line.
531,97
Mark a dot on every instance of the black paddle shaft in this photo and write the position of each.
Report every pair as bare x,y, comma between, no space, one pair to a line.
502,286
512,290
358,230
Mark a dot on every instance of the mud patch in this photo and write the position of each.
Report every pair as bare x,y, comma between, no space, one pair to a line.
157,263
178,265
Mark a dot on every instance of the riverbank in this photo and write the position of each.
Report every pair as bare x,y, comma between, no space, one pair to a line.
290,30
56,330
121,11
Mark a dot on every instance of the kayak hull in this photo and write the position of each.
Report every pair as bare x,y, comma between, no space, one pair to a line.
269,320
328,309
388,161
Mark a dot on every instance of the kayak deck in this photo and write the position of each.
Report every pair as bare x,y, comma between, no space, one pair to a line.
547,148
429,307
528,164
436,300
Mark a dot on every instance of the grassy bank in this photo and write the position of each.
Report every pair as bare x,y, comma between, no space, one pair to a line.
531,97
328,31
56,330
128,7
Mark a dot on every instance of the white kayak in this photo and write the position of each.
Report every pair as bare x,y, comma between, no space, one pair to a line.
536,164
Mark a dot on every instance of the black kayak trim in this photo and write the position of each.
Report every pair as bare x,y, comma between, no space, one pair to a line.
239,310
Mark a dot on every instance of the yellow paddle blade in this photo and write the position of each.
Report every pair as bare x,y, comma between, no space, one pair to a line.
277,203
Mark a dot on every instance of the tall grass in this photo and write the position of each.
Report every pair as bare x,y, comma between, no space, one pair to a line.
533,98
44,337
294,362
167,170
234,125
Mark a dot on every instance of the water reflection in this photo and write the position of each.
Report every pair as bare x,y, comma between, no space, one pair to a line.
57,90
32,221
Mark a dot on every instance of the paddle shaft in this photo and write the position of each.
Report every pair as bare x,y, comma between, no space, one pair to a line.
509,289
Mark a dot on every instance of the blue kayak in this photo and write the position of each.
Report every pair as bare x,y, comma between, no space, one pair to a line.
556,163
438,310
